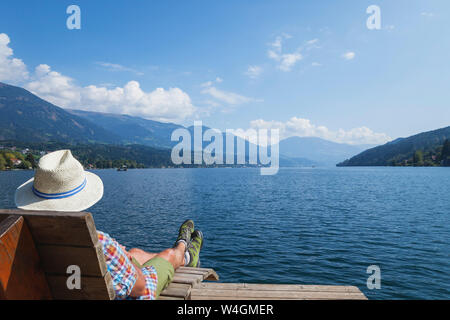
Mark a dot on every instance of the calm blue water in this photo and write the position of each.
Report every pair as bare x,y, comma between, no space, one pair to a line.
304,226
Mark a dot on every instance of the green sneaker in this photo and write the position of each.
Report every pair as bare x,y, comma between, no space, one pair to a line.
184,234
194,248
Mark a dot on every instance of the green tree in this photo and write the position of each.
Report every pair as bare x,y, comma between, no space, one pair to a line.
418,158
445,154
24,165
8,156
2,162
31,160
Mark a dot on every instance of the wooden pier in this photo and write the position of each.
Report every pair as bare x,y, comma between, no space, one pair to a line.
36,249
188,285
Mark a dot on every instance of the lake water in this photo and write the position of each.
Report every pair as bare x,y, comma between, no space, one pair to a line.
302,226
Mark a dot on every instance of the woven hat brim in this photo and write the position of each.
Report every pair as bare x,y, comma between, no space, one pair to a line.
93,191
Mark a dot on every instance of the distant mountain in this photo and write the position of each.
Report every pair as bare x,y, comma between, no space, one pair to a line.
26,117
318,150
402,149
132,130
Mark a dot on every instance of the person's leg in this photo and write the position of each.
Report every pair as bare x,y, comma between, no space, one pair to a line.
168,260
165,264
174,255
140,255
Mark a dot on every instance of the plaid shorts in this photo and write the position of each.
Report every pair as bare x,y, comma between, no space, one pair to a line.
123,272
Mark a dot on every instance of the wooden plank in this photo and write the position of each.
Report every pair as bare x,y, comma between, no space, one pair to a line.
169,298
252,298
243,294
208,274
92,288
21,275
177,290
277,287
187,278
192,268
56,259
59,228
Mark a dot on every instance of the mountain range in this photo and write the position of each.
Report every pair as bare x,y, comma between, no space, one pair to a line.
28,118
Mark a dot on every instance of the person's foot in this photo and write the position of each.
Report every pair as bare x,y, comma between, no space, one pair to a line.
184,234
194,248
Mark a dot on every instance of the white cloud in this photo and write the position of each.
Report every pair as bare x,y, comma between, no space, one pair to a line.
316,64
286,61
54,87
304,128
254,72
312,44
12,69
117,67
427,14
161,104
350,55
227,97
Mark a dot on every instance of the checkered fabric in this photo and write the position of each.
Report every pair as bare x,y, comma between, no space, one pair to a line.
123,272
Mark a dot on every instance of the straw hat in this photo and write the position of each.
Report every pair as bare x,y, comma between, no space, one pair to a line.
59,184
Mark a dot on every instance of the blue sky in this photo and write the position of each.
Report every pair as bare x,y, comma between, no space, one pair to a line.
310,68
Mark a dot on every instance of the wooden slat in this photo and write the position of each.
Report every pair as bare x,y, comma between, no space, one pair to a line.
187,278
208,274
56,259
92,288
21,276
277,287
180,269
270,298
212,294
178,290
59,228
169,298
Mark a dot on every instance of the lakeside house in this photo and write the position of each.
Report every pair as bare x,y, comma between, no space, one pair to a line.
16,162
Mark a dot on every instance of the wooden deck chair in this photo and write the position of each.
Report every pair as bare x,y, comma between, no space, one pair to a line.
37,249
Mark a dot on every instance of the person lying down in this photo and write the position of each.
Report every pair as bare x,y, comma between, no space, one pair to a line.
60,183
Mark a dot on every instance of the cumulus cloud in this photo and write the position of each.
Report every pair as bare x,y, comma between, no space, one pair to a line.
12,69
253,72
304,128
161,104
54,87
350,55
286,61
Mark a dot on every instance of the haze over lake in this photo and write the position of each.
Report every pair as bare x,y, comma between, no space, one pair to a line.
301,226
